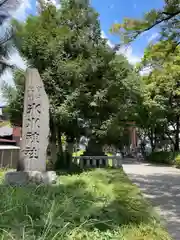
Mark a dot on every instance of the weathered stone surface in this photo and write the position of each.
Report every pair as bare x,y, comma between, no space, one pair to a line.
35,132
35,129
31,177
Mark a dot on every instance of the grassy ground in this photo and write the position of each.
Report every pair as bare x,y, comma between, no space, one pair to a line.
98,205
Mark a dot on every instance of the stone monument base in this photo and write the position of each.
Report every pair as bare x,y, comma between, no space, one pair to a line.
31,177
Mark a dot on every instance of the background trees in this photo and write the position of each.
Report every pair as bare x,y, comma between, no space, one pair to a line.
6,9
91,90
14,96
157,114
166,19
159,109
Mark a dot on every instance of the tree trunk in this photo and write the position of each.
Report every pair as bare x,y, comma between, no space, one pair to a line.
176,147
53,141
70,147
60,163
155,138
151,138
69,153
53,149
59,140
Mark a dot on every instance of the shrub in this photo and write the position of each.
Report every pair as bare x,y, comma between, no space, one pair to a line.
177,161
162,157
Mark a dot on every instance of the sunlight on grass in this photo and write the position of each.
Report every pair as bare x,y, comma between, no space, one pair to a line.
98,205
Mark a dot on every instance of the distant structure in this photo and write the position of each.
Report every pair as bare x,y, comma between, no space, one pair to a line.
9,135
133,135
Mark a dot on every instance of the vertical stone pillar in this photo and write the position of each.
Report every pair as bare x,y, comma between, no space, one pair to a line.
35,131
35,134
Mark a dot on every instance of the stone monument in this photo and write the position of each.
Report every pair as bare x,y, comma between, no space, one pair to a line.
35,133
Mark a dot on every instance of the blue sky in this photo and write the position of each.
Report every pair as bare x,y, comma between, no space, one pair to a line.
110,11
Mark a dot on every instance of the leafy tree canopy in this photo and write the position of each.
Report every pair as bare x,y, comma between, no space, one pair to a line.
83,77
167,19
6,9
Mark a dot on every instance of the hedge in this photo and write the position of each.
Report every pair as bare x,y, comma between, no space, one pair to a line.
163,157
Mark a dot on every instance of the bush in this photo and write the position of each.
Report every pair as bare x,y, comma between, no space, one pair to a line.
177,161
162,157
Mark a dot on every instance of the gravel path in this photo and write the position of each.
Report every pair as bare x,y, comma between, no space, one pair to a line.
160,185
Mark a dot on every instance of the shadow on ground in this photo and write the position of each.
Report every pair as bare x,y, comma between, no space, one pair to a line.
162,189
131,161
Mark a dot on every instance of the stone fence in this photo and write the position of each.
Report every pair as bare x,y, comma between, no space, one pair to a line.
9,156
98,161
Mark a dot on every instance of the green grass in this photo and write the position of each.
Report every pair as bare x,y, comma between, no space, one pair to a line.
98,205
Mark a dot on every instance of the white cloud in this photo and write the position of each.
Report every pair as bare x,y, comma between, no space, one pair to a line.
14,57
153,37
54,2
2,102
145,71
111,6
16,60
103,35
7,77
21,13
128,53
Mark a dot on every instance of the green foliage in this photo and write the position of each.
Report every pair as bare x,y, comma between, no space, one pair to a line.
101,204
15,98
6,36
177,161
61,162
84,79
162,157
167,19
78,154
66,58
158,111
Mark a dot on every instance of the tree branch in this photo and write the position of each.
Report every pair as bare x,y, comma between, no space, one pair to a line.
9,3
7,39
4,63
3,2
171,14
175,46
157,22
